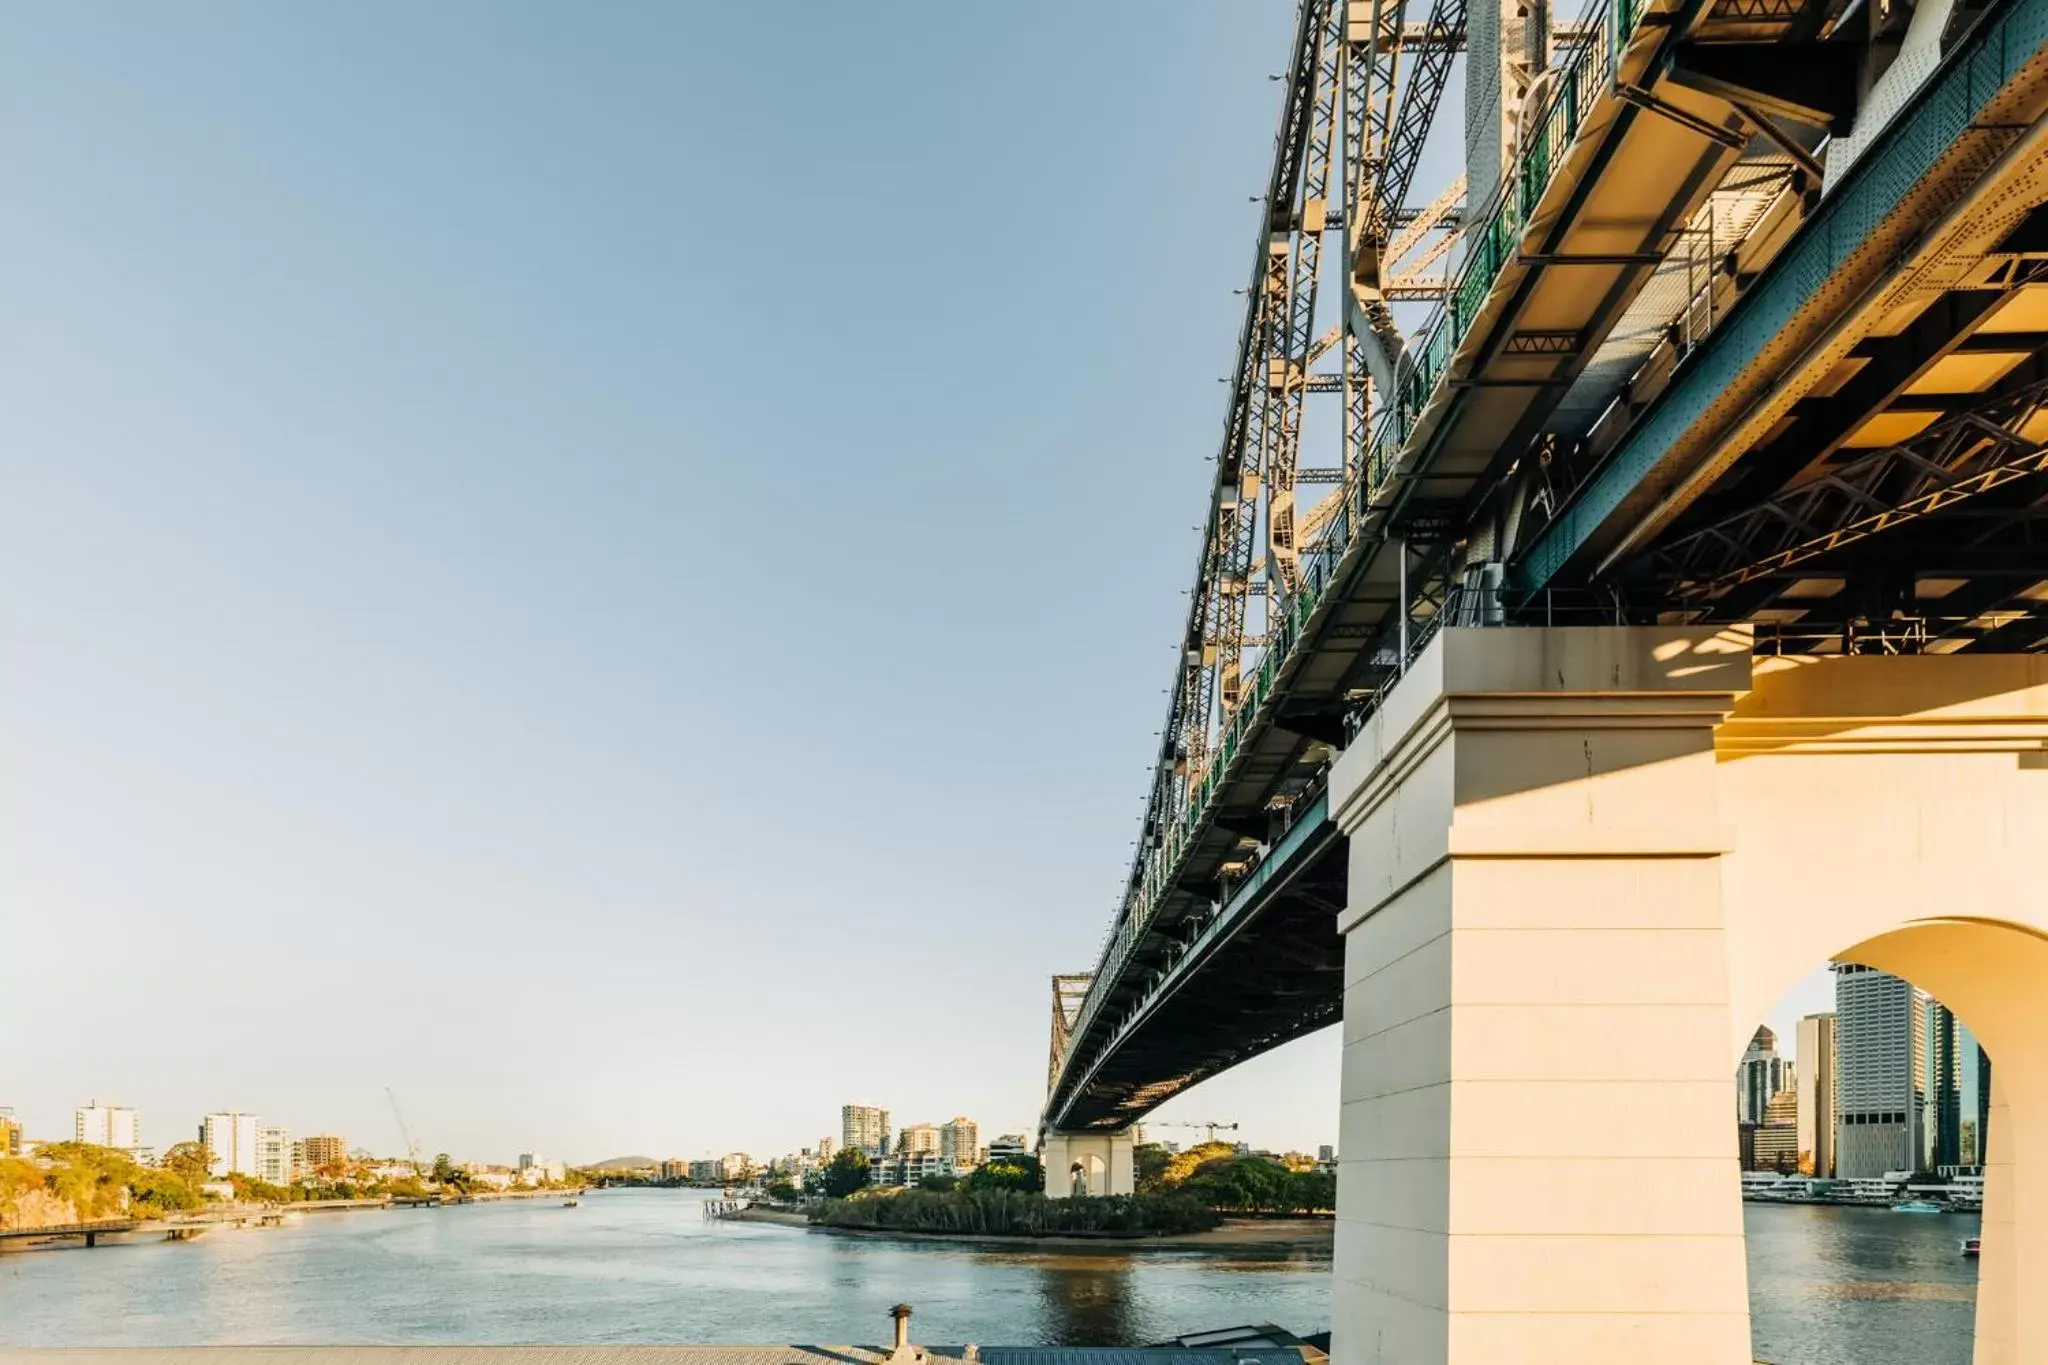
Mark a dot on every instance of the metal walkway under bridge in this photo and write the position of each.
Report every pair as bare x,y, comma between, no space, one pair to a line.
1737,312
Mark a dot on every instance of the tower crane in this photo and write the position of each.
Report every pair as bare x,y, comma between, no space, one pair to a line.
412,1148
1211,1128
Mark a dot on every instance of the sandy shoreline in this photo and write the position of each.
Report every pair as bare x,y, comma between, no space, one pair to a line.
1241,1233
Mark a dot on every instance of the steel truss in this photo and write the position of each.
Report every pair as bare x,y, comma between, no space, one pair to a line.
1967,453
1336,167
1068,991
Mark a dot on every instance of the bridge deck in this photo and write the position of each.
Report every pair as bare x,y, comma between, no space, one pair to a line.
1631,152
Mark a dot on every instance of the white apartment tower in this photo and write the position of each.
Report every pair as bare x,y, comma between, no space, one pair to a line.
274,1161
1881,1083
864,1128
107,1125
232,1143
918,1139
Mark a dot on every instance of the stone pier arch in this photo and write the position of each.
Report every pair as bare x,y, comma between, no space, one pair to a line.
1584,864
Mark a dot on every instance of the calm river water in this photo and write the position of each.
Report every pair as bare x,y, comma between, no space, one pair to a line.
1830,1286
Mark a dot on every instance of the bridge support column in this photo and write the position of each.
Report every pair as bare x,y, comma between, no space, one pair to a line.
1539,1157
1088,1163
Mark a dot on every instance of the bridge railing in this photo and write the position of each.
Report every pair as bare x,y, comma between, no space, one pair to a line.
1490,247
1497,237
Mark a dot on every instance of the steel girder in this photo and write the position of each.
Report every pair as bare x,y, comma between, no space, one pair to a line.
1972,451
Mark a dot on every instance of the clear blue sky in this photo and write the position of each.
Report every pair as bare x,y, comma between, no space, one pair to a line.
610,568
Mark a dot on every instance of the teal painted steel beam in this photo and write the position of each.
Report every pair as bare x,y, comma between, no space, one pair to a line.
1969,78
1235,913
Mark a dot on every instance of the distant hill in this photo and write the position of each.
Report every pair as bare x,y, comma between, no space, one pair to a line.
622,1163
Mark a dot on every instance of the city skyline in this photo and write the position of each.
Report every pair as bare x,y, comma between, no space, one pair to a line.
472,770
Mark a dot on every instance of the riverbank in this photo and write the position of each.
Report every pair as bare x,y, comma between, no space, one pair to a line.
230,1218
1240,1234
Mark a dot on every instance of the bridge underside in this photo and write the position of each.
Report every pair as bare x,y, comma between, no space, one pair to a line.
1270,970
1842,441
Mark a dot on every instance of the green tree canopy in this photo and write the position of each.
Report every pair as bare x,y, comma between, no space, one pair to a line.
1150,1160
189,1162
846,1172
1011,1173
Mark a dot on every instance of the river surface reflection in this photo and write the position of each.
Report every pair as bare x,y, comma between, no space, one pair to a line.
628,1266
1827,1286
1842,1286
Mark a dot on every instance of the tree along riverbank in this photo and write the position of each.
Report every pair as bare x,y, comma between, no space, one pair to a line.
1246,1234
51,1232
1015,1212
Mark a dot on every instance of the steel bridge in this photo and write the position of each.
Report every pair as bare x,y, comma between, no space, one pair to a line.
1736,313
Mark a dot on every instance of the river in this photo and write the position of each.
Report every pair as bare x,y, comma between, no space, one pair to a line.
1829,1286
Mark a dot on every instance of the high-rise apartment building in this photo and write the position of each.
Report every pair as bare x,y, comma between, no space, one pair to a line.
321,1149
274,1158
960,1141
826,1146
1008,1147
231,1142
10,1132
917,1139
107,1125
1976,1106
1881,1085
1761,1075
1944,1113
1816,1089
864,1127
1775,1141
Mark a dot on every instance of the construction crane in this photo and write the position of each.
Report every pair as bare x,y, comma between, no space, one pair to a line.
412,1148
1211,1128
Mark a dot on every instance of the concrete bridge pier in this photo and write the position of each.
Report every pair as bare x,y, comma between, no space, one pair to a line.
1584,863
1088,1163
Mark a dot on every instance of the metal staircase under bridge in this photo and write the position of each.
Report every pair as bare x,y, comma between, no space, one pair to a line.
1737,312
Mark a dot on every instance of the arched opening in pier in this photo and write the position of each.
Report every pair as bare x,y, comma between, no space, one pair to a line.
1880,1142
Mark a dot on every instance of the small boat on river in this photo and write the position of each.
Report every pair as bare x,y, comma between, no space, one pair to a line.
1919,1206
1971,1246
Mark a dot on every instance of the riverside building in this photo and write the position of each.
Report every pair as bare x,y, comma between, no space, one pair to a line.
908,1168
865,1128
960,1141
1008,1147
231,1141
1775,1143
1816,1087
1760,1076
274,1160
107,1125
1881,1089
321,1149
